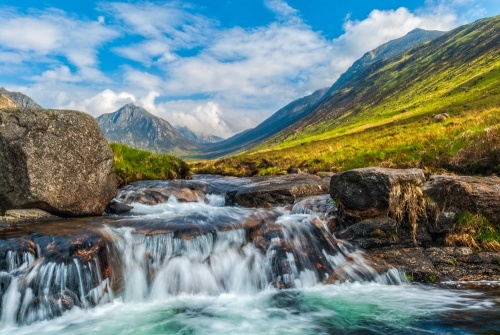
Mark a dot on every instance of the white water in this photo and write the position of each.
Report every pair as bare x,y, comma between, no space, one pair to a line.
216,282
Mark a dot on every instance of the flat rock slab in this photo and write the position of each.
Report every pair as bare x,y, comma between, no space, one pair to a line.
272,191
21,215
156,192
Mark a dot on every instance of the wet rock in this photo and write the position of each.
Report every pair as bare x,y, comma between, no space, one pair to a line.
371,192
266,192
382,232
116,207
465,193
157,192
413,261
54,160
22,215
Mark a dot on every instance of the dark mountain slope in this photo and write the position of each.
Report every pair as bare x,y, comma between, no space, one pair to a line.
278,121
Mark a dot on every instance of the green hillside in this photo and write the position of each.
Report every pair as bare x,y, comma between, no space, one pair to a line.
384,116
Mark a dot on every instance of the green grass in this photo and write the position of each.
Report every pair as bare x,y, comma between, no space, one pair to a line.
475,231
135,165
385,118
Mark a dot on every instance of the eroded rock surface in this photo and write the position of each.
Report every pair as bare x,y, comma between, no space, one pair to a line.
54,160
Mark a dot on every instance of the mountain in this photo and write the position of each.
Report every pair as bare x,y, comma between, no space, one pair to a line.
136,127
198,137
16,99
398,85
386,51
434,106
300,108
247,139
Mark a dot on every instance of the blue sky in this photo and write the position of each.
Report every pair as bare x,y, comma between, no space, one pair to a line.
216,66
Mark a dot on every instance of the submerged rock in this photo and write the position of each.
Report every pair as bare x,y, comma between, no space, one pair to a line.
54,160
157,192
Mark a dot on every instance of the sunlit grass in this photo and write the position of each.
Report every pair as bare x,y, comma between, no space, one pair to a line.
134,165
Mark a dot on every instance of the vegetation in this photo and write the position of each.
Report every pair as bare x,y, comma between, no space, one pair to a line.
385,117
134,165
476,232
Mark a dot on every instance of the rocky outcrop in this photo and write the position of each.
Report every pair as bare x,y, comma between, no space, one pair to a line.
376,192
400,218
54,160
26,215
452,194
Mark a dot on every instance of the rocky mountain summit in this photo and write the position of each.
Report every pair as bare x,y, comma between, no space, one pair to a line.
136,127
16,99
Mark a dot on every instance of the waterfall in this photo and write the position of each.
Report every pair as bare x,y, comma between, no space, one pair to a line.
176,248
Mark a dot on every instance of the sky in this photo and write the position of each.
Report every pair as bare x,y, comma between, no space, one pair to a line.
216,66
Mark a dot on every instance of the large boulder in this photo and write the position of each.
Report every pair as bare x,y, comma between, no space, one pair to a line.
464,193
376,192
54,160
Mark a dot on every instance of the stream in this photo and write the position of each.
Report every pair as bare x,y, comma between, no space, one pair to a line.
206,268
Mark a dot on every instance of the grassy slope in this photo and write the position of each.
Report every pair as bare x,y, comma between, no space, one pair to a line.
384,116
133,165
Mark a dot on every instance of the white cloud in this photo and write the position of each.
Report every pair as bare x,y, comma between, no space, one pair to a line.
106,101
232,78
43,35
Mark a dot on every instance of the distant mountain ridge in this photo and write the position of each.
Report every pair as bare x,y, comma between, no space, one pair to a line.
301,108
198,137
136,127
389,79
16,99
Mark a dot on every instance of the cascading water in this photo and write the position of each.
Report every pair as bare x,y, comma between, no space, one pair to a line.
223,268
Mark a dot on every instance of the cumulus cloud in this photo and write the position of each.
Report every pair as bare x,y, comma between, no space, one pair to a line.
189,69
38,34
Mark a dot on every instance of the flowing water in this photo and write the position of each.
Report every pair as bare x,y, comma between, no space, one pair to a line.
206,268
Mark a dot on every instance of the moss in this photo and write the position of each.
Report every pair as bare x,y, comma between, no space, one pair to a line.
451,261
378,233
409,276
432,277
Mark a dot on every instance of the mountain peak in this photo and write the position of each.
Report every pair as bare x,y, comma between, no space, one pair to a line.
135,126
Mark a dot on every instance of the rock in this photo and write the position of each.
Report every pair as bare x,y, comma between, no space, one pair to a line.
380,233
376,192
413,261
22,215
54,160
157,192
116,207
464,193
440,117
275,191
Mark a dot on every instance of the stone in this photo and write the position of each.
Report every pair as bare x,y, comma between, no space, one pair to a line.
465,193
23,215
368,192
267,192
54,160
116,207
440,117
157,192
